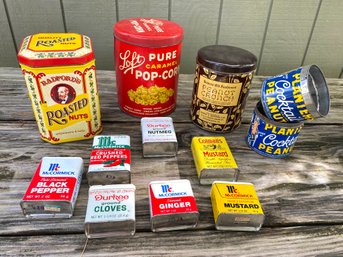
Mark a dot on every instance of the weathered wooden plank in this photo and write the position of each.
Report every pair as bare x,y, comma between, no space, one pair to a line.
97,24
287,36
136,8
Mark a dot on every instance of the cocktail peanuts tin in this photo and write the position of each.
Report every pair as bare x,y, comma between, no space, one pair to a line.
300,94
147,60
158,137
59,70
236,206
221,85
111,211
172,205
110,161
271,138
213,159
54,188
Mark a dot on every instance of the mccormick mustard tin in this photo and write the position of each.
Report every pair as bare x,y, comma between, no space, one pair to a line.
236,206
110,211
54,188
213,159
158,137
110,161
172,205
59,70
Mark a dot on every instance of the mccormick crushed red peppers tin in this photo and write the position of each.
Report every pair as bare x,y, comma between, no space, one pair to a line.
59,70
172,205
54,188
147,59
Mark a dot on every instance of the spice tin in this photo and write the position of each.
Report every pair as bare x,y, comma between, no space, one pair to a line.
236,206
59,70
172,205
271,138
54,188
300,94
158,137
147,59
110,211
213,159
222,81
110,161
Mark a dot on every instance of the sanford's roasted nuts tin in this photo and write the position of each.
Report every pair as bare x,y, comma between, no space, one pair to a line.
54,188
110,211
59,70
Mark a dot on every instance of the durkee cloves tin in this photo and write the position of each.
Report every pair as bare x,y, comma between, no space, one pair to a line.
221,85
147,59
236,206
110,161
213,159
59,70
300,94
54,188
271,138
111,211
172,205
158,137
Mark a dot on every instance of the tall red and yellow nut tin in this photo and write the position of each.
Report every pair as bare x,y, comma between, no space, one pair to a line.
59,70
147,59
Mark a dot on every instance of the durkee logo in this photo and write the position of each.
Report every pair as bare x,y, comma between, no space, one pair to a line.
231,189
166,189
54,167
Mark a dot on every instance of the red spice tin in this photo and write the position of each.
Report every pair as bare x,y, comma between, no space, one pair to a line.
147,58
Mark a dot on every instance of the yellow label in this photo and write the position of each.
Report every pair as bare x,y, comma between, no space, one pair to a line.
55,42
218,93
212,117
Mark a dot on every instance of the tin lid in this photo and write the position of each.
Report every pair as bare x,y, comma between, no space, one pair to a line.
228,59
112,186
55,49
148,32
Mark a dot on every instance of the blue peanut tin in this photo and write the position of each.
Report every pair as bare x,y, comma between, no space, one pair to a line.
300,94
270,138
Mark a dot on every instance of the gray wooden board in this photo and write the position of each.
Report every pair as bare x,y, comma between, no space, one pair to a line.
138,8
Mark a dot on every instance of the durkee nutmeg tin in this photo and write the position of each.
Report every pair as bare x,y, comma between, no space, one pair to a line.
147,60
221,85
59,70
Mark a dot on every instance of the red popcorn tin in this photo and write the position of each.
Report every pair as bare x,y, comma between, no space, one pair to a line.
147,60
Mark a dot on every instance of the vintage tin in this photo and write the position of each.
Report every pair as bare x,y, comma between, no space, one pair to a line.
110,211
213,159
300,94
54,188
110,161
236,206
271,138
172,205
147,60
59,70
221,85
158,137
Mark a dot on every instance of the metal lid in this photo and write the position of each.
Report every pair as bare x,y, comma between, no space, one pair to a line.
227,59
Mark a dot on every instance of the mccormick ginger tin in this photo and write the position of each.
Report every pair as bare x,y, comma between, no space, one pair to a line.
213,159
59,70
54,188
147,61
172,205
110,211
236,206
110,161
158,137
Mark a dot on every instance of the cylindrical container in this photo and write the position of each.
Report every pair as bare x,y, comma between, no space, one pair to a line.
59,70
300,94
147,59
222,81
270,138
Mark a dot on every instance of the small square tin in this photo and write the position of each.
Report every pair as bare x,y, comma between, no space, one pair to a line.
172,205
54,188
110,160
158,137
213,159
236,206
110,211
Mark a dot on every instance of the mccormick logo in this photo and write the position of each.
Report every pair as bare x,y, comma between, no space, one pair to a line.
54,167
233,192
167,191
231,189
54,170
